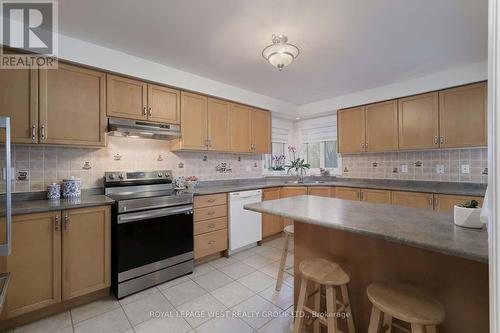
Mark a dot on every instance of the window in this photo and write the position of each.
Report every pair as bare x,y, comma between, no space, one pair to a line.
321,154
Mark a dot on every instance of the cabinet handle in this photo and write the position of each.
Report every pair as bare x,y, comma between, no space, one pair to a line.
358,195
211,212
56,222
211,225
42,132
144,111
211,200
363,145
430,201
436,140
441,140
211,242
66,222
150,112
33,133
366,144
436,202
361,196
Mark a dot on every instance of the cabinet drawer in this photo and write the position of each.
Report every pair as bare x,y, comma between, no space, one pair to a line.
210,200
206,213
210,243
210,225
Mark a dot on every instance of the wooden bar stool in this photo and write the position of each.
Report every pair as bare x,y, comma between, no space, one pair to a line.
288,234
330,275
405,303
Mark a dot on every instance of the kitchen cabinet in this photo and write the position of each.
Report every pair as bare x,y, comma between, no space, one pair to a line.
218,132
463,116
351,130
35,263
292,191
381,126
446,202
261,131
413,199
210,224
193,123
376,196
271,224
55,258
348,193
321,191
138,100
19,101
72,106
126,98
419,121
86,251
240,126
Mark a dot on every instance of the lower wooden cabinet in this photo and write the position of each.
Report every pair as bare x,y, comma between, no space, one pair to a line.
292,191
348,193
271,224
446,202
376,196
320,191
86,251
55,259
413,199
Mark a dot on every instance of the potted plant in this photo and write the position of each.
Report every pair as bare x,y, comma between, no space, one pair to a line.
191,182
468,215
278,162
298,164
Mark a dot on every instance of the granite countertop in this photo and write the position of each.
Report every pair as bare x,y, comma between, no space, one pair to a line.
40,206
421,228
472,189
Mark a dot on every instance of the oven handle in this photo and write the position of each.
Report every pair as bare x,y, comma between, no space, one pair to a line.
125,218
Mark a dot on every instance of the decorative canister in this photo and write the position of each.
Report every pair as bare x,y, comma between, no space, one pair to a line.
54,191
71,188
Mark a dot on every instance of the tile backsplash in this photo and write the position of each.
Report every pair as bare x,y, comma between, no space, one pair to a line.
46,164
421,165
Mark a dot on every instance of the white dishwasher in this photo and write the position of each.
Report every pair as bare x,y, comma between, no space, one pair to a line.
245,226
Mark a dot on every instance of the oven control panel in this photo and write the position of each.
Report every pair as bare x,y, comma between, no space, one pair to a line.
122,176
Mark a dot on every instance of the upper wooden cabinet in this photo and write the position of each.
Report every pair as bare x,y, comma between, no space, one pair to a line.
419,121
134,99
463,116
19,101
72,106
218,124
261,131
382,126
126,98
240,124
193,123
351,130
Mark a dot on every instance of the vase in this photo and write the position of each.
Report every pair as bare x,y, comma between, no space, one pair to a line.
300,176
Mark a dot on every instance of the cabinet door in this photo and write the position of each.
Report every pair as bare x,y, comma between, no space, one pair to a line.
419,121
292,191
126,98
19,101
446,202
347,193
271,224
320,191
261,131
86,251
72,106
382,126
376,196
193,121
218,124
463,116
164,104
240,128
351,130
35,263
413,199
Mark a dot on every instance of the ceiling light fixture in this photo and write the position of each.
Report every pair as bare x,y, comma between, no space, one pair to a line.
280,54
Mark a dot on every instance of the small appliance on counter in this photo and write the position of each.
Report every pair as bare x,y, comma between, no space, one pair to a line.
152,230
72,188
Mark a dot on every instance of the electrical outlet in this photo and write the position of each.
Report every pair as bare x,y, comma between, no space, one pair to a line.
465,168
404,168
248,168
439,168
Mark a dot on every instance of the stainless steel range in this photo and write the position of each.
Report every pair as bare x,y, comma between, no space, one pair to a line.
152,230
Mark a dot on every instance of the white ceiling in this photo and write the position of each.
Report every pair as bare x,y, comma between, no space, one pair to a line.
346,45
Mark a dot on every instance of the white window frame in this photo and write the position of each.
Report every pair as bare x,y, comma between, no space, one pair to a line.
316,171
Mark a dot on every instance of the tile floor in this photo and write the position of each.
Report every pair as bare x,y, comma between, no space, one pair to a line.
234,286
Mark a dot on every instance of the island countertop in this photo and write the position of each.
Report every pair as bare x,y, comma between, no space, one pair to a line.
420,228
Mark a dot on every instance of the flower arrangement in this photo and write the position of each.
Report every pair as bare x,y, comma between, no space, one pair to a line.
191,181
298,164
278,162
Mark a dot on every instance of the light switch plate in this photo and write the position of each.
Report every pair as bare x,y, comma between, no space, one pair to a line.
440,169
465,168
404,168
248,168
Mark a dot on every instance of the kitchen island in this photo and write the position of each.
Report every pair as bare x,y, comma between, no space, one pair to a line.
384,243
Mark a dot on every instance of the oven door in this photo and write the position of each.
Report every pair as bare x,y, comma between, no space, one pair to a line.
152,240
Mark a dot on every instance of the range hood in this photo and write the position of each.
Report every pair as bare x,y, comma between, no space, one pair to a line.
142,129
